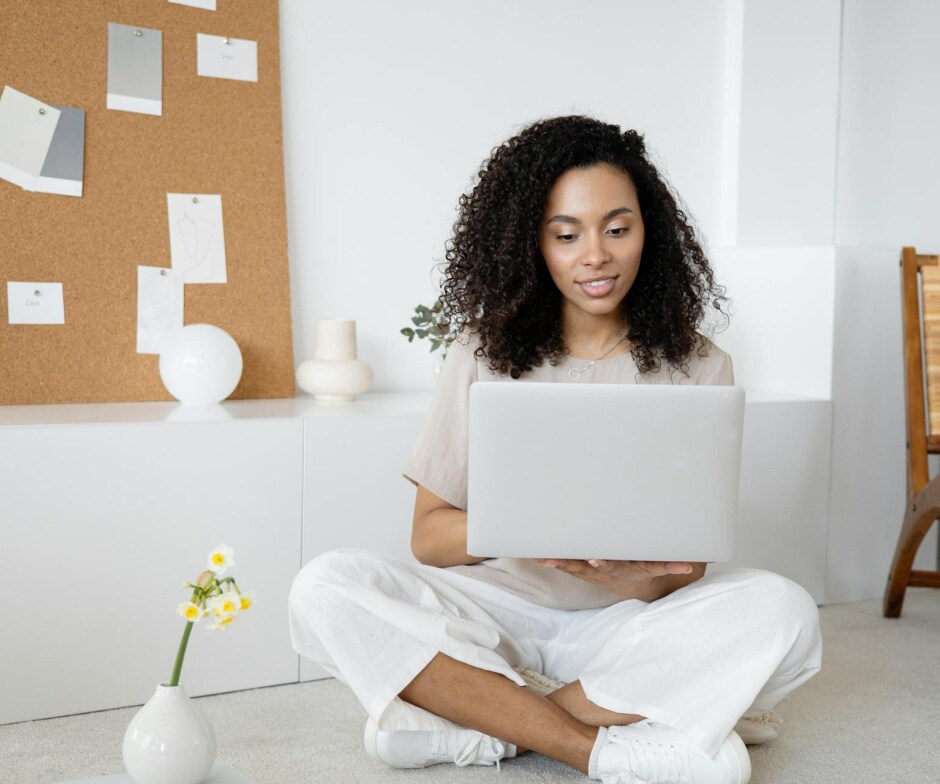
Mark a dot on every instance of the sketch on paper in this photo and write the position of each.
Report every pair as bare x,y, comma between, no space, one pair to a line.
197,238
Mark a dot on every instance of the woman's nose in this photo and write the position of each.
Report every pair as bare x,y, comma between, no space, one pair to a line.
594,250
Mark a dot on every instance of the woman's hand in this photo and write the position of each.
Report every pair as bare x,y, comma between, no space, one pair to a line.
644,580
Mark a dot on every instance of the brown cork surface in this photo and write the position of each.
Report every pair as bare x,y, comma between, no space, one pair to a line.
215,136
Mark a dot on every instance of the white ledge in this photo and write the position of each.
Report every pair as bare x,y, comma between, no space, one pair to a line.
304,407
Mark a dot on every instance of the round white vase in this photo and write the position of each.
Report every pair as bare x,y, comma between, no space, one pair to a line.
334,373
169,740
201,364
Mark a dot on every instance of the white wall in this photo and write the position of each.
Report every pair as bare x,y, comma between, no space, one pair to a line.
781,302
868,477
799,134
887,158
890,116
789,105
390,108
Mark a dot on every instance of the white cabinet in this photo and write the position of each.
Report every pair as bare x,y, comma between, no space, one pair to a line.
354,493
101,524
106,509
783,504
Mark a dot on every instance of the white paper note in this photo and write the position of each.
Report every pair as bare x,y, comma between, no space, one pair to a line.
159,307
35,303
26,130
208,5
227,58
135,69
197,239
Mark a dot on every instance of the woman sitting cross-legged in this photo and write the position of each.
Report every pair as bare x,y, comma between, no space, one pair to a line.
569,252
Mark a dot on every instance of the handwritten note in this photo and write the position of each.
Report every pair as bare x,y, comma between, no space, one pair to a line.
227,58
35,303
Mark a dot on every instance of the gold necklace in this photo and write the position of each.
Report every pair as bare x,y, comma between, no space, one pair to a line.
575,373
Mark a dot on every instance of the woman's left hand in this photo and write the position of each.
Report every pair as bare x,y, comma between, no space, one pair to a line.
645,580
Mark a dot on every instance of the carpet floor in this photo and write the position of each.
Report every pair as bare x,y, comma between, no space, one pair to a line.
871,716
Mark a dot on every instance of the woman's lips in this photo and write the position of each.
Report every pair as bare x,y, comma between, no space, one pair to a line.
599,288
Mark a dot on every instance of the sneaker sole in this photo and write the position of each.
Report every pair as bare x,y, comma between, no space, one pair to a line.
744,759
368,738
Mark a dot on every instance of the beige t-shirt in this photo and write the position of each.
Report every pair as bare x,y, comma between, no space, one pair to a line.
439,459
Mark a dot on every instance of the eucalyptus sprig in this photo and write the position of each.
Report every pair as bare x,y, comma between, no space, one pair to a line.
429,324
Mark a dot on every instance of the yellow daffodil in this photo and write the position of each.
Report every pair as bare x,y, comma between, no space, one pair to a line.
226,605
247,599
219,625
221,559
189,611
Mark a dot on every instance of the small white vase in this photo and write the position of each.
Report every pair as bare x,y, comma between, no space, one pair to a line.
169,740
334,373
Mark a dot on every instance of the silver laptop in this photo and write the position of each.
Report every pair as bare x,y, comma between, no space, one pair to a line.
621,471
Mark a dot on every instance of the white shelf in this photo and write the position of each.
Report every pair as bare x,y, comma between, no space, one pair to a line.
303,407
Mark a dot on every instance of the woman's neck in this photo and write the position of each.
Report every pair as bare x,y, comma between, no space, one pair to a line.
590,337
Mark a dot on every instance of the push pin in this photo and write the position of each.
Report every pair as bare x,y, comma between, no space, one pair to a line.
163,273
228,41
138,33
195,200
42,110
37,293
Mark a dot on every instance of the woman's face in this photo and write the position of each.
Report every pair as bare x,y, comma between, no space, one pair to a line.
592,239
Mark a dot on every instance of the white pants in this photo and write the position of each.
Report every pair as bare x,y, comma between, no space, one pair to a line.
735,641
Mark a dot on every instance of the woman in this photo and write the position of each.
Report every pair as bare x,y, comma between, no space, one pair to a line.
569,262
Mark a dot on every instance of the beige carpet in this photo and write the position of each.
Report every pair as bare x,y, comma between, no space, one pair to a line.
872,716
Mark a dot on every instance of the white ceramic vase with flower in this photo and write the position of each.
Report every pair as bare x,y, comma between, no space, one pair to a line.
169,740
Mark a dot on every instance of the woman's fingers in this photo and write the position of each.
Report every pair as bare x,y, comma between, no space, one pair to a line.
647,568
565,564
678,567
661,568
607,567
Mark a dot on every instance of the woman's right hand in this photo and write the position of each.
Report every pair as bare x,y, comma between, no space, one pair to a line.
439,532
644,580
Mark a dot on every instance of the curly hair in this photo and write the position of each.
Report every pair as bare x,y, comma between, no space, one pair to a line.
496,284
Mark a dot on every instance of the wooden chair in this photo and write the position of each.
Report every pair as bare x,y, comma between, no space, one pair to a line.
920,281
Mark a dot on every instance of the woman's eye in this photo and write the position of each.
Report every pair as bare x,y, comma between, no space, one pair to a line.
618,230
564,237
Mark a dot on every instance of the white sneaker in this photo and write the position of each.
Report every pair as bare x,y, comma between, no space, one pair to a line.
539,683
757,728
651,753
419,749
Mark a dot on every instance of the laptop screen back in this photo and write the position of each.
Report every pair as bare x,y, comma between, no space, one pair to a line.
616,471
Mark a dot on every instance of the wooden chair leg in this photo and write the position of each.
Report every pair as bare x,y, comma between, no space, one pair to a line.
920,516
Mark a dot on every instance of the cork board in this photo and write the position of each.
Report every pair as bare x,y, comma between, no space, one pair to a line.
215,136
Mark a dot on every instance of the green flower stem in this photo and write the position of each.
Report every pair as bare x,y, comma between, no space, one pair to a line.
175,677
